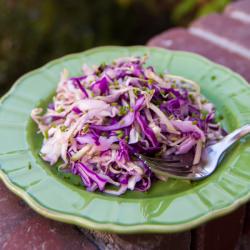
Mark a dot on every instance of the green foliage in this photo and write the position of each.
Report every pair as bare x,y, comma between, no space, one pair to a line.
213,5
34,32
187,10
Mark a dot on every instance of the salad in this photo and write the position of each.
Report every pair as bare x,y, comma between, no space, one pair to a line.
98,121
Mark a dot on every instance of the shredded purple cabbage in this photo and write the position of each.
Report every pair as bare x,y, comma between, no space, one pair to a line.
98,121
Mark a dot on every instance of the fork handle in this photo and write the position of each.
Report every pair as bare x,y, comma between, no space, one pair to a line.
237,134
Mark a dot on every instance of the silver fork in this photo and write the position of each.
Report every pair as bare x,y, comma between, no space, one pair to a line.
176,167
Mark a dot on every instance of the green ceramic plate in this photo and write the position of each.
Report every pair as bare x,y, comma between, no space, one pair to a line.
167,207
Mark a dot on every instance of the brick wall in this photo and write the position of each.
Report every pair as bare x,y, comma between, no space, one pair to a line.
225,39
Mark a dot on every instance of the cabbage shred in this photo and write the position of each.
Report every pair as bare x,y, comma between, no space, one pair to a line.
98,121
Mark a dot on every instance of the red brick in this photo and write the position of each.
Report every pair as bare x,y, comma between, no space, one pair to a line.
245,239
225,27
223,233
241,6
40,233
21,228
12,212
181,39
180,241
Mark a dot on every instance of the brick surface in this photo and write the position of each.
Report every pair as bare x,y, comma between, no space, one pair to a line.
245,238
181,39
225,39
239,10
225,27
227,43
241,6
21,228
223,233
180,241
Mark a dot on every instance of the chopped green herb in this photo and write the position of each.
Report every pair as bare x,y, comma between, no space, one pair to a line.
60,110
103,66
194,122
104,134
85,128
42,154
194,115
63,128
123,110
29,166
172,95
136,91
122,122
213,77
150,81
116,83
204,112
191,97
46,134
157,102
150,91
98,72
114,104
220,117
158,154
163,94
119,134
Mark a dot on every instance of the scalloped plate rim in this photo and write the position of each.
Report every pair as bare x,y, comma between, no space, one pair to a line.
114,227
